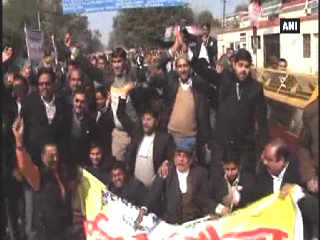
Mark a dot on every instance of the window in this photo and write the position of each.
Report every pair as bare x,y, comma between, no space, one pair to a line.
306,45
258,42
242,37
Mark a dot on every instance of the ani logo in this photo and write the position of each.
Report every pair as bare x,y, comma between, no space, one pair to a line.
289,25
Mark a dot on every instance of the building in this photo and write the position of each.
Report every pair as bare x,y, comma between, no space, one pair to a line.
300,50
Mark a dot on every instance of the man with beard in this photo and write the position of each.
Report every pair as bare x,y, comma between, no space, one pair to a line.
149,148
240,115
126,186
52,212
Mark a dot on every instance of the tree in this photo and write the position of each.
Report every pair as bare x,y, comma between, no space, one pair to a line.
16,13
204,17
241,7
145,26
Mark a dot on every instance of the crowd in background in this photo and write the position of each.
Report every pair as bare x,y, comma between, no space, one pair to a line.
175,131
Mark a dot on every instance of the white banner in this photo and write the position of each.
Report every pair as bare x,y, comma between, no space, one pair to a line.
34,42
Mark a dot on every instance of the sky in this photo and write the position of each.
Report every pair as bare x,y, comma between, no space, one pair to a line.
102,21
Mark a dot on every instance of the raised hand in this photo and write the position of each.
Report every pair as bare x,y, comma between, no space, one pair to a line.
6,54
18,129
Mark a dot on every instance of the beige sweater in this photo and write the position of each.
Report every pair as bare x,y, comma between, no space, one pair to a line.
183,117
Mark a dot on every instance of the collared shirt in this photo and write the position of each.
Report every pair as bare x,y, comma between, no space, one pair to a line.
144,169
19,107
203,52
182,177
185,86
50,108
277,180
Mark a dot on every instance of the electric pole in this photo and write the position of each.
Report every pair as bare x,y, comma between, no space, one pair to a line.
224,13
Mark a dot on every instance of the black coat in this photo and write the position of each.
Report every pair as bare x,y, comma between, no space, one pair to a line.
78,147
168,189
38,131
264,181
163,145
105,125
170,87
219,188
133,191
237,113
163,149
211,46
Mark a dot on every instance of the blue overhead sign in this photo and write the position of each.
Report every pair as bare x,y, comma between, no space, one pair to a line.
82,6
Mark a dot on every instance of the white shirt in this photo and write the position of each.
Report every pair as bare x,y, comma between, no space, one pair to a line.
50,108
19,107
188,84
182,177
203,52
144,169
277,180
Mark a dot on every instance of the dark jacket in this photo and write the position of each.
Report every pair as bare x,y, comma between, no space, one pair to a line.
102,170
171,86
163,149
78,146
211,46
163,146
219,188
133,191
105,125
169,191
264,181
38,131
240,106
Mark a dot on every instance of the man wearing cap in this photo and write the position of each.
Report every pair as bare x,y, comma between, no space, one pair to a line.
184,190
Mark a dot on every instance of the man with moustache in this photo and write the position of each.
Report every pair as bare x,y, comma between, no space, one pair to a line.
51,216
149,148
82,128
241,115
187,112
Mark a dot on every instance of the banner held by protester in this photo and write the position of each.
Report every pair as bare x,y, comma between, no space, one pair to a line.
110,217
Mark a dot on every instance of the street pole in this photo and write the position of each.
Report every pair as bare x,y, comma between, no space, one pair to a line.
224,13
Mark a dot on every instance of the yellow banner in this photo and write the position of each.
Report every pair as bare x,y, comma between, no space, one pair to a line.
112,218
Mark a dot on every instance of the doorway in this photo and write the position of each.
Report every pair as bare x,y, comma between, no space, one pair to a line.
271,49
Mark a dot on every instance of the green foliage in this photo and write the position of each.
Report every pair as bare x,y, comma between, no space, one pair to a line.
241,7
16,13
146,26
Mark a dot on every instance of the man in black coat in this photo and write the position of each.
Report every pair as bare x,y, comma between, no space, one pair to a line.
82,128
241,112
183,191
149,147
44,116
280,166
206,46
44,119
187,108
236,189
126,186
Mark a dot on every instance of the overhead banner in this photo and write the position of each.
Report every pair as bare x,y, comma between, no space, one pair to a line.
109,217
34,42
85,6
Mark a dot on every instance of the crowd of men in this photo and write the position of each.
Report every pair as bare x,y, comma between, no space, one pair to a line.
171,131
